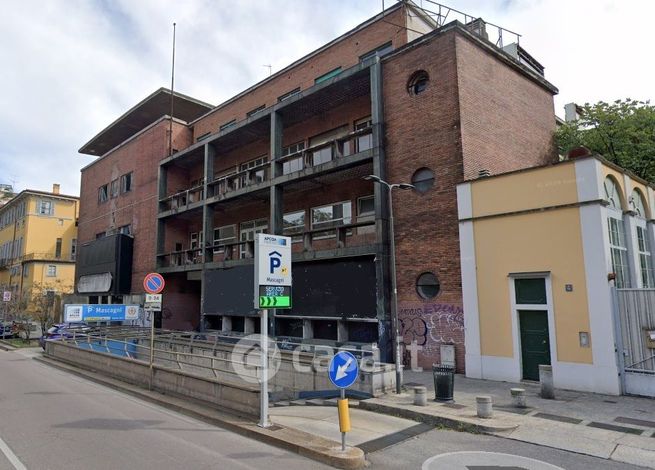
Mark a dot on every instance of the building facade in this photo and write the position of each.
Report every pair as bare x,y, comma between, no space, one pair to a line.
541,250
399,97
38,245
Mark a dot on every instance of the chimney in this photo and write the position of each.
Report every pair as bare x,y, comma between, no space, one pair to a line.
55,188
571,112
479,27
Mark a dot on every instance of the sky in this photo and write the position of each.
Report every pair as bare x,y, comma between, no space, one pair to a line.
68,68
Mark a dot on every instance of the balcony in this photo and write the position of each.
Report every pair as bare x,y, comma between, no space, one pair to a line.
239,180
44,257
344,240
182,200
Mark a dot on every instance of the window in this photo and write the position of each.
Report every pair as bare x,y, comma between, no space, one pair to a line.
195,240
114,188
364,142
126,182
257,176
224,235
324,154
100,235
332,215
293,164
380,51
327,76
227,125
288,95
26,271
418,82
125,229
423,179
52,270
637,203
103,194
256,110
203,136
366,213
294,224
247,231
612,194
44,207
427,285
618,252
530,291
73,248
58,248
645,259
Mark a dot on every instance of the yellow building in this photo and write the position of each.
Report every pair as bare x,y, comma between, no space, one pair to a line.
541,251
38,244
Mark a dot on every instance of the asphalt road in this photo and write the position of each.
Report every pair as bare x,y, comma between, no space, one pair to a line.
52,420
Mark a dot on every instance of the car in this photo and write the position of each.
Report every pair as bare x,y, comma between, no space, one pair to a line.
64,330
6,330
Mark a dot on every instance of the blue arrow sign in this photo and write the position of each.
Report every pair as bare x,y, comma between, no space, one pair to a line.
343,369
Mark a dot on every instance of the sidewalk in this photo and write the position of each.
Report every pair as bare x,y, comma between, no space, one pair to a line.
610,427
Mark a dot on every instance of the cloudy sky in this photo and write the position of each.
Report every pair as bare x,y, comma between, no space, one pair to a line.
70,67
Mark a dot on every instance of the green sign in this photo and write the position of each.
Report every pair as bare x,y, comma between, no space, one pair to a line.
275,302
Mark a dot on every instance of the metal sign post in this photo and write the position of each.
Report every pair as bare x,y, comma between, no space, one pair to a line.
272,289
153,284
343,371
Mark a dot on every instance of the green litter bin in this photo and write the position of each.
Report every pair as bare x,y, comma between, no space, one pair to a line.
444,382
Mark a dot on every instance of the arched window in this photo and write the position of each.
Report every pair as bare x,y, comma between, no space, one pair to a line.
637,203
613,193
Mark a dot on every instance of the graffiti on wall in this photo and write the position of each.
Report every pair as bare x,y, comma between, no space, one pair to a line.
431,325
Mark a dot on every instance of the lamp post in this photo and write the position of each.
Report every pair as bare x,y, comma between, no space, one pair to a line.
394,287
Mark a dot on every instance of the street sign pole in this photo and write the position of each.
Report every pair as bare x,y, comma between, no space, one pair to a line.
263,393
343,372
343,434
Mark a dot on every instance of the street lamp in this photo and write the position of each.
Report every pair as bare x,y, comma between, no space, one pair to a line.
394,287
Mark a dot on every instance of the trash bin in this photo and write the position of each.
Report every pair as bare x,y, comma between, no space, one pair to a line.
444,382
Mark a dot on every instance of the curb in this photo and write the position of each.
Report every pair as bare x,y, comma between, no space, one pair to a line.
450,422
302,443
6,347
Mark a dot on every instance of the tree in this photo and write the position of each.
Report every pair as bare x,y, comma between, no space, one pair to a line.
623,132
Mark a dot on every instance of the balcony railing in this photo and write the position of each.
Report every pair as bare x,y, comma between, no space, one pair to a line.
241,179
182,199
352,143
329,237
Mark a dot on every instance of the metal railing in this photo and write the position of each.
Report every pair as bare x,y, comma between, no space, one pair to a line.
182,199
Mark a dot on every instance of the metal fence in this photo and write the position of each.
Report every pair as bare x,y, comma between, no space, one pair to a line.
636,317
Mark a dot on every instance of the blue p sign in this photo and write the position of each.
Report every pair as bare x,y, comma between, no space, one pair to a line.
275,263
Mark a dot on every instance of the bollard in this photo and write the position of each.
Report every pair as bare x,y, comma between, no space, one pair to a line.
420,396
518,397
546,380
485,406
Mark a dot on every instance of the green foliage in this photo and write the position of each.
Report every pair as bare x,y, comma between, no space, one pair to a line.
623,132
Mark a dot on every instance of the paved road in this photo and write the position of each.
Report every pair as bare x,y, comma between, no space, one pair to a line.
52,420
414,452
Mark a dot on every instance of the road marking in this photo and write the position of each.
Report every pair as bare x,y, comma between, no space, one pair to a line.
18,465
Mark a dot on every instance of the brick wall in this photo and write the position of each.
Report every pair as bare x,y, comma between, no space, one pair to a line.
137,207
507,120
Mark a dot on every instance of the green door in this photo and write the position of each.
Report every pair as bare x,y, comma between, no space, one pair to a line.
535,346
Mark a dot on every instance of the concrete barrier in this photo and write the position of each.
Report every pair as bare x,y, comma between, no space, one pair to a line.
240,398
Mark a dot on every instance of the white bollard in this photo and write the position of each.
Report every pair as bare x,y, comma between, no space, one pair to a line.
546,380
518,397
420,396
485,406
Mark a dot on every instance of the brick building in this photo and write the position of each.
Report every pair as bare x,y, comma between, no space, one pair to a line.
402,96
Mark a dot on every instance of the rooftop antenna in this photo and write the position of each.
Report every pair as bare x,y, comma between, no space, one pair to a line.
270,69
170,128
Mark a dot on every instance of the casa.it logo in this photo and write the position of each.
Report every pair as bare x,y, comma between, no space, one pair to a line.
246,358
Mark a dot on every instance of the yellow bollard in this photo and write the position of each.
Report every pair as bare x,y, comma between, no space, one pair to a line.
344,415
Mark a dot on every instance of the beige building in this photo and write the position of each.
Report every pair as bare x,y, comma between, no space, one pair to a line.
38,244
542,250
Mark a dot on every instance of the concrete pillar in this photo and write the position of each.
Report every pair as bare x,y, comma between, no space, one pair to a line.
226,324
249,325
546,380
484,406
342,331
420,396
518,397
307,329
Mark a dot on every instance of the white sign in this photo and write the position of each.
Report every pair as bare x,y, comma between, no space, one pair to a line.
6,296
273,265
272,262
153,298
72,313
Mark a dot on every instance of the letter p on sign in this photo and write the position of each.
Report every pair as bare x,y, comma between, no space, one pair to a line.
275,263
